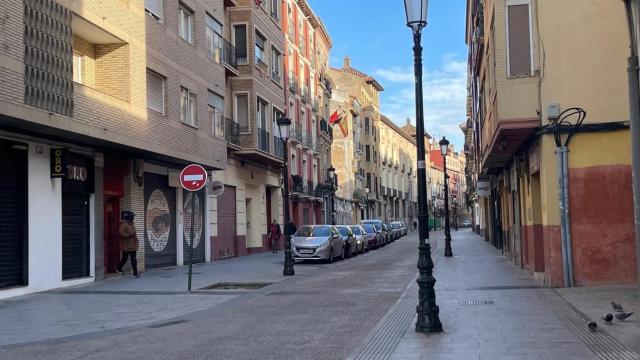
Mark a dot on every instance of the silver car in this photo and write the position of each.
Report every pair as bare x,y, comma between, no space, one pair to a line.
317,242
350,244
360,234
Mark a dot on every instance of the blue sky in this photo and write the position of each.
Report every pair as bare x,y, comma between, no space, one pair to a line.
374,35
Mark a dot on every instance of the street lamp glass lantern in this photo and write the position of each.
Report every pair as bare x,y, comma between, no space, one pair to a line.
331,172
367,190
284,124
416,11
444,146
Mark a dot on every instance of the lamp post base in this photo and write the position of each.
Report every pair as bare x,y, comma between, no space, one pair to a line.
288,264
428,312
447,247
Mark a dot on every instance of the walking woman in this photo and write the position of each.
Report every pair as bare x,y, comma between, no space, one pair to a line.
274,236
128,242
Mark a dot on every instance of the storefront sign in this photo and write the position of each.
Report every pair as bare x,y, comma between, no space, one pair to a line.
79,174
483,188
58,168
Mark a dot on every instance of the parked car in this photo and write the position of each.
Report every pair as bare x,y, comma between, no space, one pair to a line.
388,233
466,223
404,228
398,229
350,243
371,235
381,231
360,234
316,242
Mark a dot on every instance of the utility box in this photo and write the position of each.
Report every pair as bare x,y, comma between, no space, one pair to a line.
553,111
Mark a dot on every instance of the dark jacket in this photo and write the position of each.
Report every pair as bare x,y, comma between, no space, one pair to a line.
290,229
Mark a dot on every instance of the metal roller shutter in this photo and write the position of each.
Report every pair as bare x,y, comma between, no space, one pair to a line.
75,235
13,215
198,239
227,244
159,222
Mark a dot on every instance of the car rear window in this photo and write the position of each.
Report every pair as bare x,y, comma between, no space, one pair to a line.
356,230
308,231
343,231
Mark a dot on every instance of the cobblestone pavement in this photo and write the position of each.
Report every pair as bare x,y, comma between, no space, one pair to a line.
323,312
121,302
490,309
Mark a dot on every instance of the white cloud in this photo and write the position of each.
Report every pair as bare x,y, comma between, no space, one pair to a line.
444,95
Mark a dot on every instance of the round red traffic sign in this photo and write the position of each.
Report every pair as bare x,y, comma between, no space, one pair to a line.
193,177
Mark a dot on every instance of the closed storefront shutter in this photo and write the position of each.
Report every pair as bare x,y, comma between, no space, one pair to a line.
159,222
13,215
75,235
226,245
198,229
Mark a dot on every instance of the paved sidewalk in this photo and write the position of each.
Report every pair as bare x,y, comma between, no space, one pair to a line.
490,309
158,295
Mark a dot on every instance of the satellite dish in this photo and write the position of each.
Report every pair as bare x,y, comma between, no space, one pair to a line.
217,188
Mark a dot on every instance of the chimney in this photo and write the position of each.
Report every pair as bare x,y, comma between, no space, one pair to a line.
347,62
408,121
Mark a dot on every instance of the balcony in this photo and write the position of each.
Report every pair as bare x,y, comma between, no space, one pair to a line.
358,195
231,132
383,190
229,57
278,147
307,140
296,133
311,189
293,85
316,106
304,95
263,140
297,185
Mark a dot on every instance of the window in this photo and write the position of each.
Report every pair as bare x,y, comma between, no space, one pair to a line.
187,107
519,39
185,24
155,92
240,39
294,165
77,67
367,153
216,113
261,114
154,8
276,64
275,10
301,32
213,38
290,27
242,111
260,56
366,126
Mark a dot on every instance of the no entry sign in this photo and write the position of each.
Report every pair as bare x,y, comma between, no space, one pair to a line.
193,177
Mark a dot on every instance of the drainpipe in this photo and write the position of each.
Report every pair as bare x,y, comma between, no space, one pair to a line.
634,119
562,197
567,219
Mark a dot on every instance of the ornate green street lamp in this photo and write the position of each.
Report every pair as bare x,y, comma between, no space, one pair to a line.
283,127
444,149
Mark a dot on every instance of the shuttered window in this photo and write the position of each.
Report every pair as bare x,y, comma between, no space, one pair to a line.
242,112
155,92
519,37
154,7
77,67
216,111
240,37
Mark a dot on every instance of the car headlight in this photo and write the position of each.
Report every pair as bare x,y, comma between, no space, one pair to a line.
324,244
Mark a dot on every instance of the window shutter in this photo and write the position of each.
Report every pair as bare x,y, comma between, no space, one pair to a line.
216,101
155,92
241,41
519,40
154,7
242,112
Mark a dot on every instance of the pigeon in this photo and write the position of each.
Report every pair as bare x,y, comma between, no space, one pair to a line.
617,307
608,317
592,325
623,315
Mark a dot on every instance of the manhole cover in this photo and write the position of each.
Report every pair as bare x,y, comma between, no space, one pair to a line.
235,286
474,302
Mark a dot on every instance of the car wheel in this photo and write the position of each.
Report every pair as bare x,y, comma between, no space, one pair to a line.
330,259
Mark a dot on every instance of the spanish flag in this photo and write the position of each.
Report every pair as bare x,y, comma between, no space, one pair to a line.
336,118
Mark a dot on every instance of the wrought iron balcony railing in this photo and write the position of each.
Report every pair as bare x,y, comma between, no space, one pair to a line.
296,133
297,185
231,131
293,84
316,106
229,54
278,147
263,139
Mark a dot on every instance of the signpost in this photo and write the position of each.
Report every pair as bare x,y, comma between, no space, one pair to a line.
192,178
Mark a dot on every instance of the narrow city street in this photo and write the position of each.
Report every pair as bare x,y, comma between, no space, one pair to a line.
360,308
323,312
